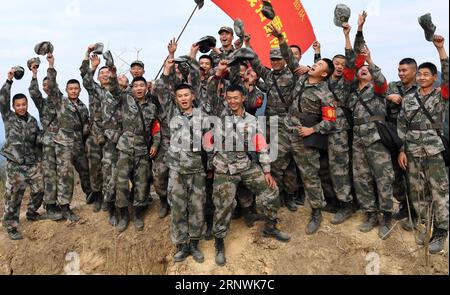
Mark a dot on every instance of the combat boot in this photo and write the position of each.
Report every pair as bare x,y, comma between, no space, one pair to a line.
53,213
98,202
139,218
33,216
385,227
68,214
182,254
410,225
196,252
163,207
90,198
289,201
345,212
438,240
124,219
370,223
14,234
221,260
314,223
112,217
403,212
272,230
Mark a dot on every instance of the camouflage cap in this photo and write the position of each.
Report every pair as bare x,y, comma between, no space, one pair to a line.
342,14
19,72
426,23
239,28
43,48
242,54
34,60
207,43
108,58
137,63
226,29
98,48
268,10
275,53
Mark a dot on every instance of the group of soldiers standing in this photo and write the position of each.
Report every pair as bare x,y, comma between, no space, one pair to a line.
329,141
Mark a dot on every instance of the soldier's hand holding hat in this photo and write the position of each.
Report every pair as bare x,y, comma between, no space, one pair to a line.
51,60
222,68
438,41
347,28
10,75
95,61
275,32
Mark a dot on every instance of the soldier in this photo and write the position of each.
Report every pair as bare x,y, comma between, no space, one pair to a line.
137,69
49,121
96,140
73,119
226,38
233,167
311,117
138,143
187,171
280,85
339,149
420,125
372,165
407,72
20,150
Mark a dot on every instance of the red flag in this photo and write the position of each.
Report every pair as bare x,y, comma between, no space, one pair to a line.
291,19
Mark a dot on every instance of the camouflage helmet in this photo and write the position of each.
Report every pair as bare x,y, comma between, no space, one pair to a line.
43,48
207,43
34,60
19,72
268,10
239,28
240,55
275,53
109,60
98,48
342,14
429,28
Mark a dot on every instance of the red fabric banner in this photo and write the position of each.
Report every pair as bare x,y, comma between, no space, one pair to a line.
291,19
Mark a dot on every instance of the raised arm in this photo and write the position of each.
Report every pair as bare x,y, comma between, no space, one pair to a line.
5,96
317,51
35,93
359,40
379,80
87,72
439,43
55,93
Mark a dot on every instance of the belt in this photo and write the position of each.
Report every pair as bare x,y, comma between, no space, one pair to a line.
426,126
363,121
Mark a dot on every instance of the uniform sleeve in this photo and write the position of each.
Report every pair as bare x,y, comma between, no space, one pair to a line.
36,94
88,78
288,57
379,81
5,100
156,134
328,123
260,69
360,42
55,93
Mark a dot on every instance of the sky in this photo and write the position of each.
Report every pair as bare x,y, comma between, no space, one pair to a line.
141,29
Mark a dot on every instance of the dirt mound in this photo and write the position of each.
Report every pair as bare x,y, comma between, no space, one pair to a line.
93,247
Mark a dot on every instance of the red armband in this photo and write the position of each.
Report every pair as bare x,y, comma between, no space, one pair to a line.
208,141
156,127
329,114
380,89
444,92
260,143
259,102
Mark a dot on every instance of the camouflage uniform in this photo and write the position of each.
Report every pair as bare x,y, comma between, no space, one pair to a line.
22,168
393,110
236,167
423,146
73,119
112,128
276,107
49,121
96,139
134,163
223,55
372,164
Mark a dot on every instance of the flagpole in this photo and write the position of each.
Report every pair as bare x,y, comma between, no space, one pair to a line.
179,37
